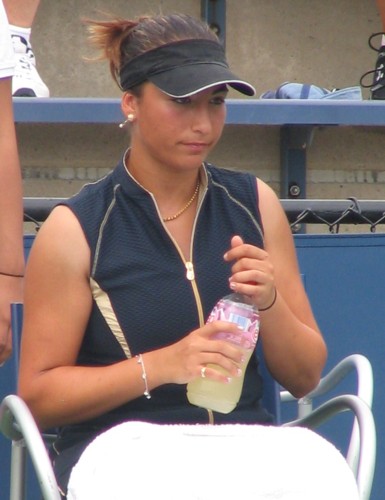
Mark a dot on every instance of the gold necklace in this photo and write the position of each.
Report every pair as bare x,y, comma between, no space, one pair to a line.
173,217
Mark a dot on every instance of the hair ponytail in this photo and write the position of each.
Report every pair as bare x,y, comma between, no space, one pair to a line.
120,40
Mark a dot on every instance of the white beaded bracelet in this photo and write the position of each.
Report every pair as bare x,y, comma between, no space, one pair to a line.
139,360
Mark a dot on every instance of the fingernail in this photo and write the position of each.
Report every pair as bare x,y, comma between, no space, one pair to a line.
228,380
239,372
233,286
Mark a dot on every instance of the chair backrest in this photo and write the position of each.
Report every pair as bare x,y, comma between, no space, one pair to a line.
28,239
16,326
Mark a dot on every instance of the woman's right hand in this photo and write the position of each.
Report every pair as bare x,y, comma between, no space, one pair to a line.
184,360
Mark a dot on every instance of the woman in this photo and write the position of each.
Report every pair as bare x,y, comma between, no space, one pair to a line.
122,277
11,199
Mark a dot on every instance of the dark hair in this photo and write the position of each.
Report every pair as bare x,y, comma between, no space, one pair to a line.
120,40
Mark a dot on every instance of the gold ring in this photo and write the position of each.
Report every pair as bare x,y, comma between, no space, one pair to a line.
203,372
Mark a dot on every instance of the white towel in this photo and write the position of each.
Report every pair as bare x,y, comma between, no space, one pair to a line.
143,461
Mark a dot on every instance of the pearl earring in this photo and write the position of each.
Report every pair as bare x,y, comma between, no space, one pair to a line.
130,118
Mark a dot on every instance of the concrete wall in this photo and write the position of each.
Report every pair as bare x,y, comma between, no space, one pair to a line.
267,42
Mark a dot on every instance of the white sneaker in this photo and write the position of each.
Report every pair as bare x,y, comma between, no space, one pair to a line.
26,81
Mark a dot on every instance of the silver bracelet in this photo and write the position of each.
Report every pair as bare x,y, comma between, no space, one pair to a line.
139,360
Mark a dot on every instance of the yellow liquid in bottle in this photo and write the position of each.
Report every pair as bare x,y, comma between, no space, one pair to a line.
218,396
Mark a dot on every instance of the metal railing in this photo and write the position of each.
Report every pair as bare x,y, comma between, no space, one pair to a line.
332,213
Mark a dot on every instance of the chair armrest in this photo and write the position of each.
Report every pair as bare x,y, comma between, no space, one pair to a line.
356,362
17,424
362,366
367,430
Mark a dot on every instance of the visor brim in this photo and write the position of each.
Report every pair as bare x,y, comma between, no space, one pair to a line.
185,81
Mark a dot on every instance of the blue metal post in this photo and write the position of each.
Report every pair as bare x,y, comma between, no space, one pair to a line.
214,13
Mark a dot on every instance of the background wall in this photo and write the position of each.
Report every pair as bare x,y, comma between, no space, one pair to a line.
267,42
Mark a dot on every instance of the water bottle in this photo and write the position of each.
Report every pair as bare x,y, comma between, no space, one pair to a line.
219,396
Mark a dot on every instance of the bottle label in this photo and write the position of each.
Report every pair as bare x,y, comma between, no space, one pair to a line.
242,314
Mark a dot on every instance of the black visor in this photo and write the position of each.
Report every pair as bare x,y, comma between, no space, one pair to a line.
183,68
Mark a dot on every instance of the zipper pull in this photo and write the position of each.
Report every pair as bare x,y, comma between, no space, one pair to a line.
190,275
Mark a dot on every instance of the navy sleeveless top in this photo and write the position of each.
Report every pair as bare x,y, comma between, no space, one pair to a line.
145,298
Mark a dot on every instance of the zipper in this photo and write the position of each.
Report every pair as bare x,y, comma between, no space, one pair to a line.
190,274
211,416
189,265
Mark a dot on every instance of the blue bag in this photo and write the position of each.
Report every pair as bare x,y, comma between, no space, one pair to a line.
288,90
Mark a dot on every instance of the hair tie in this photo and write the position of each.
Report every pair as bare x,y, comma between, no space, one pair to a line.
12,275
273,302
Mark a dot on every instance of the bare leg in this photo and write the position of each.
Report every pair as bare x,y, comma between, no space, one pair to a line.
11,207
381,10
11,259
21,12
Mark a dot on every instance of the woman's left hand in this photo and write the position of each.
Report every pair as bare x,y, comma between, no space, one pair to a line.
252,272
